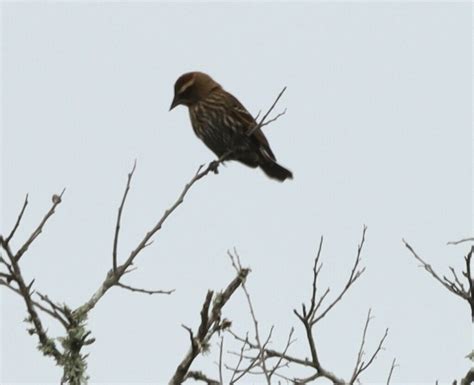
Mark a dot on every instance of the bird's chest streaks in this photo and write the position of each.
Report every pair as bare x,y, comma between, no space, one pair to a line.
216,127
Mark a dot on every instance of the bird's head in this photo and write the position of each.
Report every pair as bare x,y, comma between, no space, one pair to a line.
192,87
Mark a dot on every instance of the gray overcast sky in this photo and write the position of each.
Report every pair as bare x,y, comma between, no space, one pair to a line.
377,132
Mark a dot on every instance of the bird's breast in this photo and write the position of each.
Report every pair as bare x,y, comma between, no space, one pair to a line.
213,126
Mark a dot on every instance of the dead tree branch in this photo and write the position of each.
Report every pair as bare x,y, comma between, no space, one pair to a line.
309,315
453,285
115,274
468,378
211,323
119,216
392,368
18,220
470,239
56,201
235,260
362,365
15,276
200,376
74,321
263,122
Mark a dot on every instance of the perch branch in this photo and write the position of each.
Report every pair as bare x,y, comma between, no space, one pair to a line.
118,270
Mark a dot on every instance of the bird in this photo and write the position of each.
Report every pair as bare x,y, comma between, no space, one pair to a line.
224,125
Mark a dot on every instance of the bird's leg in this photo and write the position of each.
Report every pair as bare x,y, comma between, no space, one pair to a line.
214,165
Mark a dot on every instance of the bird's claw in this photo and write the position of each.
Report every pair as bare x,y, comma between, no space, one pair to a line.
213,166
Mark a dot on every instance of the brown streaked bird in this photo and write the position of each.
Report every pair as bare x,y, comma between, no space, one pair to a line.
223,124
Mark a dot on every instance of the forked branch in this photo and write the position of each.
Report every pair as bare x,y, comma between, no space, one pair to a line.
309,315
211,322
118,270
454,285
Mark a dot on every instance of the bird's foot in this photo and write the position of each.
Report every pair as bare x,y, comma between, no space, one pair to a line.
214,166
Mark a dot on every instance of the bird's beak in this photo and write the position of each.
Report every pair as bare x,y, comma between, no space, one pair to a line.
174,103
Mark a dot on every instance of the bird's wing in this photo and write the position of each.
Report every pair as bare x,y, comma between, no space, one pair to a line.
241,114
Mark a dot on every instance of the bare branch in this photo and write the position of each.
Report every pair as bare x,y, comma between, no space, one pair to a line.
56,201
361,365
18,220
36,304
236,370
279,361
460,241
270,353
200,376
58,311
253,352
307,380
144,291
316,271
48,346
262,121
221,351
210,324
261,346
468,378
113,277
445,282
354,276
119,216
392,368
277,116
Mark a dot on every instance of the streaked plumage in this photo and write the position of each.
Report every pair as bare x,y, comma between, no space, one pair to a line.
223,124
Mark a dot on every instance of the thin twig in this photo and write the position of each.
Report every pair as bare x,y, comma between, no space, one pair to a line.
200,376
36,304
392,368
361,365
119,216
308,316
280,359
144,291
221,351
113,278
262,121
61,316
56,201
451,286
235,372
353,277
471,239
277,116
18,220
47,344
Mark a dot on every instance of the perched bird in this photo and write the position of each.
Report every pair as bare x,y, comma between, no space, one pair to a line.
224,125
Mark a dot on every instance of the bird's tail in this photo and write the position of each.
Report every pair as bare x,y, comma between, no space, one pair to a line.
275,171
